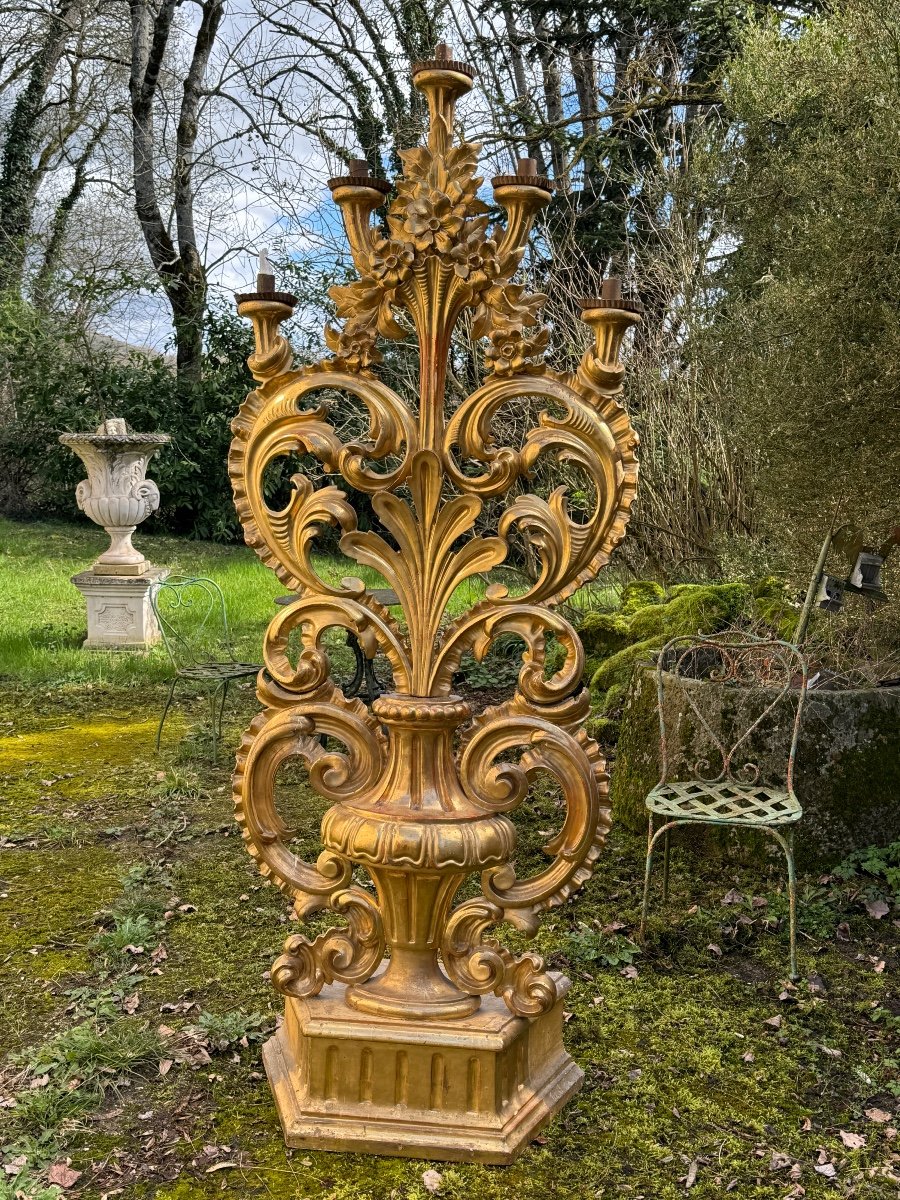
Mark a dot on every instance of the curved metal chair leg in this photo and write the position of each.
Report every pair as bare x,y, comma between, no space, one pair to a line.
652,836
787,845
165,711
222,705
666,867
355,686
213,702
648,867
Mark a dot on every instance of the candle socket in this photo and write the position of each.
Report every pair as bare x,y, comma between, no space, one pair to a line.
527,166
611,288
265,282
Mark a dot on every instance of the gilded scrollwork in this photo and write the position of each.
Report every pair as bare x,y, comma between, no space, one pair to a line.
292,732
413,802
555,743
479,965
349,954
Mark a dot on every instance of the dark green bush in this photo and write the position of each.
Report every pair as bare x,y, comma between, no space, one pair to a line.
55,378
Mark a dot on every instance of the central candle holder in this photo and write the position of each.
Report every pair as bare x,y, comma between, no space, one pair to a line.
408,1030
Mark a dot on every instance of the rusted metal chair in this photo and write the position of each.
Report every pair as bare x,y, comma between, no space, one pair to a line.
720,787
193,621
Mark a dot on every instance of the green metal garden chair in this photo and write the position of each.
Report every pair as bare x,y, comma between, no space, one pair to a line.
720,787
193,621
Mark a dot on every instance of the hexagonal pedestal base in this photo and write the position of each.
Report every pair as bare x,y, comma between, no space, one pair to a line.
477,1088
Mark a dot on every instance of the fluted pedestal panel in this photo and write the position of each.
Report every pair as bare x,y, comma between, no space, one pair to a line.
474,1090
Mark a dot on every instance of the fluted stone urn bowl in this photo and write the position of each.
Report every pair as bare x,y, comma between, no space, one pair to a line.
117,493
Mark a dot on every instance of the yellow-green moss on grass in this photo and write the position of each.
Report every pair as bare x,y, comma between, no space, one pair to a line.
681,1066
47,906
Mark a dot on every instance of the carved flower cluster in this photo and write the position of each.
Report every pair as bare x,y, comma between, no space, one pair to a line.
503,316
437,213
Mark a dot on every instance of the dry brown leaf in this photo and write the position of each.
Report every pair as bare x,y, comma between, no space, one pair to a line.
62,1175
878,1115
877,909
853,1141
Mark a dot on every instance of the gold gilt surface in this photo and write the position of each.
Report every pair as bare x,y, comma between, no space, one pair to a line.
421,792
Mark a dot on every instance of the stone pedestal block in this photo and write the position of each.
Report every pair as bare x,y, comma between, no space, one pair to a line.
119,614
473,1088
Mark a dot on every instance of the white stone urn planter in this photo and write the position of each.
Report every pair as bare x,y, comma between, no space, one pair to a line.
118,495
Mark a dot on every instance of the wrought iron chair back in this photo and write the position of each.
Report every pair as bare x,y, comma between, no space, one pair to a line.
731,660
193,620
719,784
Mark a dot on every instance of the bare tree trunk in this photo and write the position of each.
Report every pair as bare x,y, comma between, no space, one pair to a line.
20,177
553,100
180,269
43,280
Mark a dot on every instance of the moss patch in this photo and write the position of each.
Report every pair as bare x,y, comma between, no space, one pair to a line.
683,1073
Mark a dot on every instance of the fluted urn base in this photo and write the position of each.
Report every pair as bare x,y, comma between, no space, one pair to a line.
477,1088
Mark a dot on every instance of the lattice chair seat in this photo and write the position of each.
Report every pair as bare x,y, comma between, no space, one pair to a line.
226,670
724,803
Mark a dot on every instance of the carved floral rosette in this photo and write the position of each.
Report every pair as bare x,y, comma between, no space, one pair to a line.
422,793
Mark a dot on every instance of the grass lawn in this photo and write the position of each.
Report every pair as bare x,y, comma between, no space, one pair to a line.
136,936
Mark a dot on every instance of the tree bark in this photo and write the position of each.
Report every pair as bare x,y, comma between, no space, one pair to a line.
20,177
180,268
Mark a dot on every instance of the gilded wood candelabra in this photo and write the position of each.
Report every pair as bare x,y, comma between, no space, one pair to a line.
409,1030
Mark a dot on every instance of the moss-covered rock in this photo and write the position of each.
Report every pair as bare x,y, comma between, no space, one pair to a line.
639,593
847,774
702,608
774,607
603,634
615,643
617,670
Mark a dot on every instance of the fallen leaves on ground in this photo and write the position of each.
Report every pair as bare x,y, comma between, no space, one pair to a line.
878,1115
62,1175
853,1141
